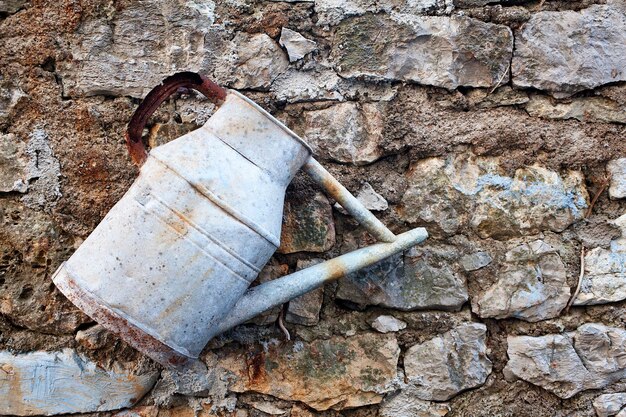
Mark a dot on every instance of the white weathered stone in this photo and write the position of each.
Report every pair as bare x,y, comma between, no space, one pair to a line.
449,364
43,165
144,43
592,357
346,372
305,309
297,46
332,12
386,324
469,191
617,171
64,382
259,61
345,132
22,162
474,261
424,49
604,280
294,86
406,404
569,51
586,109
609,404
531,285
371,199
422,278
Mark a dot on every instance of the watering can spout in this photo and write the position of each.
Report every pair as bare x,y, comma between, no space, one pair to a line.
266,296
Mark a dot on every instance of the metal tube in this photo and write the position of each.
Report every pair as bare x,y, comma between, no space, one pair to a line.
266,296
349,202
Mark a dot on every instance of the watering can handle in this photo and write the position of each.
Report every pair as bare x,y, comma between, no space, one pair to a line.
158,95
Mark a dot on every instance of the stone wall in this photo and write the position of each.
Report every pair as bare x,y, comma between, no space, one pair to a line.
500,125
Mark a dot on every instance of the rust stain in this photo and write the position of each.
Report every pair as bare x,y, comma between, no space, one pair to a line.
255,366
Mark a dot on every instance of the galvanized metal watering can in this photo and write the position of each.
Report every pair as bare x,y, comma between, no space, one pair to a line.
169,266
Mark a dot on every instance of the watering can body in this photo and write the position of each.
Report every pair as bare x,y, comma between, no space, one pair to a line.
170,265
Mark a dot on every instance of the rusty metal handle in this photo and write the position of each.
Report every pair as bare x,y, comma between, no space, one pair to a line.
158,95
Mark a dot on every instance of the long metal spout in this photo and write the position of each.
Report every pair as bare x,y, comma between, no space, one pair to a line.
263,297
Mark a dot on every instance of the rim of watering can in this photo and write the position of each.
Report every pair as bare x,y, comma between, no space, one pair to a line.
272,118
136,336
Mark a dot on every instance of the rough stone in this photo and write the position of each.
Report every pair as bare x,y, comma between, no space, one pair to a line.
345,132
448,364
346,373
45,168
64,382
587,109
332,12
14,174
570,51
259,60
294,86
617,170
531,285
422,278
386,324
370,199
305,309
31,245
144,43
609,404
475,261
406,404
308,225
472,191
297,46
11,6
10,96
565,364
426,50
604,280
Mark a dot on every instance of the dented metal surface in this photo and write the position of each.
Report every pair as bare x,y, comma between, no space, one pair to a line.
167,265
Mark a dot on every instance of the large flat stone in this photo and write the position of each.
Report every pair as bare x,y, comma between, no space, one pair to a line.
451,363
335,373
423,278
531,285
441,51
345,132
570,51
144,43
64,382
565,364
473,192
258,62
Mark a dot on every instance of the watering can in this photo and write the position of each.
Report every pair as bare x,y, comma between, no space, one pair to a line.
170,264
